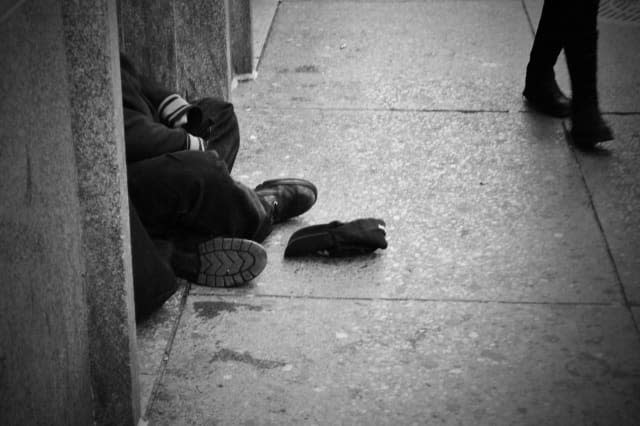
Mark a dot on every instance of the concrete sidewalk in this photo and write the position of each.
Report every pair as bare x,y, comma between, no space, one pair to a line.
508,292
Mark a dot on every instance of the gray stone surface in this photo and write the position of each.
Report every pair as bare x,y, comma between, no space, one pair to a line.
614,180
477,206
289,361
154,337
92,59
147,36
262,15
202,48
184,45
496,301
434,55
44,350
619,66
241,36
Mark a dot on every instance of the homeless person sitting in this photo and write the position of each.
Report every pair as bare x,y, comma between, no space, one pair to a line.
189,218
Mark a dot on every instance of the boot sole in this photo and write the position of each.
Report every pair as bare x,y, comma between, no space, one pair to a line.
229,262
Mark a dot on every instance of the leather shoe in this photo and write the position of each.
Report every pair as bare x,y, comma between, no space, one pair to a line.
288,197
548,100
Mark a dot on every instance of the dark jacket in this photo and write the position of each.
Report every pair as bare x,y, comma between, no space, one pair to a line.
146,133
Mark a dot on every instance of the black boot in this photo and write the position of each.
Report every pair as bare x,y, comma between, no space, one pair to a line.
544,95
588,126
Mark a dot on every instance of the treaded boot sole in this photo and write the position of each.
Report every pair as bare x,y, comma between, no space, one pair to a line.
228,262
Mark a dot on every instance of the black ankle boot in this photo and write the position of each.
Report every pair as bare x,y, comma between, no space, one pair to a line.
588,126
543,94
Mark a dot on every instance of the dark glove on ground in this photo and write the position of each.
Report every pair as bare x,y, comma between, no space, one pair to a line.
338,239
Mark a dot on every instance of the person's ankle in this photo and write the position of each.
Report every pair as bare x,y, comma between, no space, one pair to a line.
588,127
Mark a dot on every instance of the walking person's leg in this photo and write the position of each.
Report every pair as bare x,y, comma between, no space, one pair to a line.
541,89
581,50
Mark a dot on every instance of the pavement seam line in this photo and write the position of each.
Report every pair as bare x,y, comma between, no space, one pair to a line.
603,235
408,299
268,36
526,13
359,109
166,354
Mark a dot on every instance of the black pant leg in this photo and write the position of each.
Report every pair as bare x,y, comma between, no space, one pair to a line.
219,127
191,193
581,46
549,38
153,279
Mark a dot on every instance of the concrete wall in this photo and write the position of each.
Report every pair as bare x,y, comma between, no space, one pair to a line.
194,47
67,332
93,70
66,319
44,362
241,37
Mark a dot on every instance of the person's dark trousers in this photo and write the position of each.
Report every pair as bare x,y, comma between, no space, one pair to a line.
570,25
580,48
153,278
549,38
219,127
189,195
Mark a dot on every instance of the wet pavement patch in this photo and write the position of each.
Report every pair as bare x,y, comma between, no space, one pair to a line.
213,309
225,355
307,68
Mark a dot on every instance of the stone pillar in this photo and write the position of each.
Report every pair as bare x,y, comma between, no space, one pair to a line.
44,347
203,48
147,36
184,45
241,37
93,70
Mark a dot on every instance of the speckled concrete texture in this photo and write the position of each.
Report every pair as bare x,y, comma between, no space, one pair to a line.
614,181
154,336
202,48
477,206
360,362
146,33
508,293
92,58
436,55
42,294
262,14
241,36
619,66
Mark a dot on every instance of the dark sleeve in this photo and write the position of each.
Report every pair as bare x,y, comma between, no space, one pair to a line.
145,138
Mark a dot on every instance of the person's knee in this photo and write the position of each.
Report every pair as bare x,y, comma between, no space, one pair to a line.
201,164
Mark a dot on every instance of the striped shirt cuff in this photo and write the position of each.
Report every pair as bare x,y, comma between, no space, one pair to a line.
195,143
172,108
